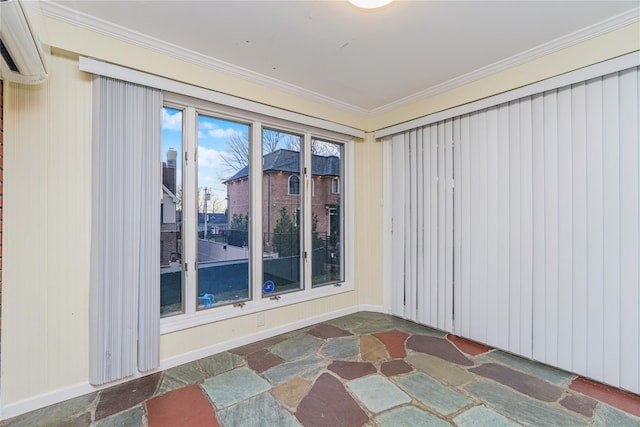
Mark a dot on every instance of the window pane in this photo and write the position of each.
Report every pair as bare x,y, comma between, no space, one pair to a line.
223,212
326,221
281,207
171,277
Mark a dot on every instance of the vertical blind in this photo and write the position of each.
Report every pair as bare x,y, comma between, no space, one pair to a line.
125,288
422,223
538,251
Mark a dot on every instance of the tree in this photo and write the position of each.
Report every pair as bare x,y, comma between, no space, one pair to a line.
236,155
319,148
286,238
317,242
239,230
286,235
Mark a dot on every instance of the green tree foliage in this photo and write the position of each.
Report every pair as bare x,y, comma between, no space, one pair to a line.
239,230
317,241
286,238
286,235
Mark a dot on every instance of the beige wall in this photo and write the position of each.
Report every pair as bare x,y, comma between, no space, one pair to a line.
89,43
47,204
597,49
45,340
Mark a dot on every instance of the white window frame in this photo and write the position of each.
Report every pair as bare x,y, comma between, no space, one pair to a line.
256,303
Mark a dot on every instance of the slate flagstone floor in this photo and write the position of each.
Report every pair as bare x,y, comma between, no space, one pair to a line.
365,369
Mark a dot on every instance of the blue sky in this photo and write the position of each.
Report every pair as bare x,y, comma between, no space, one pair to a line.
213,135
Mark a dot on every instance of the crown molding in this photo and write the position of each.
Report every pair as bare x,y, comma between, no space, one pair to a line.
82,20
109,29
577,37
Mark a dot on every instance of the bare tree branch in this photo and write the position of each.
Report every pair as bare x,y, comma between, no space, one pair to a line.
236,156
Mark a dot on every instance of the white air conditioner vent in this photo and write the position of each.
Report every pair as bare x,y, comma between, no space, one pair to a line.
22,58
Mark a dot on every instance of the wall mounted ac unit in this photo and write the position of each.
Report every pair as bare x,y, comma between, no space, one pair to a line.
22,57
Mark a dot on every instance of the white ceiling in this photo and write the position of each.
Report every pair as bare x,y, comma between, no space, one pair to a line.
358,60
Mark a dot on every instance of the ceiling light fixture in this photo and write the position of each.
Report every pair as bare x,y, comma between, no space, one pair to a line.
370,4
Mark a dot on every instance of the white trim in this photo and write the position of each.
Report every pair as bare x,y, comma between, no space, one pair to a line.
348,198
91,65
191,317
60,395
603,68
216,314
256,180
577,37
82,20
387,221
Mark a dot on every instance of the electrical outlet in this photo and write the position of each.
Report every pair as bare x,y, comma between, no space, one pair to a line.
260,319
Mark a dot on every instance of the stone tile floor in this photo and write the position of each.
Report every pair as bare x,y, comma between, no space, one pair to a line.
365,369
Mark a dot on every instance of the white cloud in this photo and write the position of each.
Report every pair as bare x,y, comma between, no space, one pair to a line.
171,122
223,133
208,157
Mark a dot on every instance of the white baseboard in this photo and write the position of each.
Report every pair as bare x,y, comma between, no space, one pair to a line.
40,401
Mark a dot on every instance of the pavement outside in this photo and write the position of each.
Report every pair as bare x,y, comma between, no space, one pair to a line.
365,369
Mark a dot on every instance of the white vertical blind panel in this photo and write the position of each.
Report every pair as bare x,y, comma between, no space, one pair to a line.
412,271
579,229
420,243
463,180
406,171
611,221
595,253
491,312
550,132
125,236
441,226
425,228
398,226
423,208
538,212
446,304
514,280
504,247
565,263
543,227
630,230
457,225
479,223
149,278
433,226
525,230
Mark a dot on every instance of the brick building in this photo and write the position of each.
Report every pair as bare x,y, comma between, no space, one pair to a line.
169,251
282,187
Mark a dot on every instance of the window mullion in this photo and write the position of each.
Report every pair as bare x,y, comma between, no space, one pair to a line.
190,208
255,209
307,214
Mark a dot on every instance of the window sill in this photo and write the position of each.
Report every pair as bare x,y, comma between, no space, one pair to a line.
216,314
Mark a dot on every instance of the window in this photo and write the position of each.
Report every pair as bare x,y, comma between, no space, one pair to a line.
244,223
335,185
223,204
327,221
171,275
283,264
294,185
